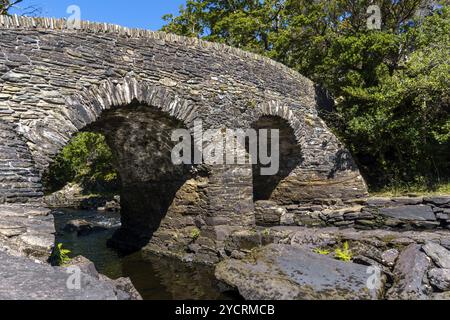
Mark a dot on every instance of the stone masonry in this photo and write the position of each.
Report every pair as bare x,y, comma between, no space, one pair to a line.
136,86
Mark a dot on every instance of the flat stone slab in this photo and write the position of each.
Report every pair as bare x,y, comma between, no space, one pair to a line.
284,272
409,213
438,200
408,200
438,254
23,279
378,201
410,272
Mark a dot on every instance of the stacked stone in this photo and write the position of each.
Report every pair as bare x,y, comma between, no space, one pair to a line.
399,213
27,230
25,226
19,179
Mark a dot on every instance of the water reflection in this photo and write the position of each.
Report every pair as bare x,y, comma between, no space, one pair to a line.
154,277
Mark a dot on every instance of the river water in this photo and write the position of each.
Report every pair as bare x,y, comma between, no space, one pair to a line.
154,277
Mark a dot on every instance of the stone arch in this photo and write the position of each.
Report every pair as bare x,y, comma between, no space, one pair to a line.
83,108
137,120
299,126
288,159
326,169
292,146
109,94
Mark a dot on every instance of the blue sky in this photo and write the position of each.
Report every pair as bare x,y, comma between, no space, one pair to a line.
145,14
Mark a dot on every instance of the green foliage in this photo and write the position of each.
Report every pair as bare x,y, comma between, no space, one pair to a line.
6,5
390,86
322,251
344,253
195,234
86,160
60,256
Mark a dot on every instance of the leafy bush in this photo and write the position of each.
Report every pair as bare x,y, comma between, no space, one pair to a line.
86,160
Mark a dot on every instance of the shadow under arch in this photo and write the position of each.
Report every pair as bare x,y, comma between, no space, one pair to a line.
290,156
140,139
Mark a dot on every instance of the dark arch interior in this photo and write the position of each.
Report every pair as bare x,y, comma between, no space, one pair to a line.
290,157
139,137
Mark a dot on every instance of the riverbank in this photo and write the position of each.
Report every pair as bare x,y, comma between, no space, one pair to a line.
407,239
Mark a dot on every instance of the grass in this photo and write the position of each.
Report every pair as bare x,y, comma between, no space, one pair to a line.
417,189
324,252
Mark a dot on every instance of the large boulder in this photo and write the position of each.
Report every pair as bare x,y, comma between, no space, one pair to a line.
24,279
284,272
409,274
121,285
71,196
440,278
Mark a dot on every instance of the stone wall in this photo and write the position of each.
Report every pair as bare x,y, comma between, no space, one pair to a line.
56,82
396,213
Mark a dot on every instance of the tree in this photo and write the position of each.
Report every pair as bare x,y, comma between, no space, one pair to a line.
6,5
390,85
86,160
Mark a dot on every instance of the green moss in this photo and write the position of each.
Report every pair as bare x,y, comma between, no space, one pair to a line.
252,104
309,121
195,234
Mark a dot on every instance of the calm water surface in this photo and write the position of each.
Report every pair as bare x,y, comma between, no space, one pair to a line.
154,277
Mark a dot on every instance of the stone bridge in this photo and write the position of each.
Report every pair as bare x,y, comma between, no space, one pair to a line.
136,86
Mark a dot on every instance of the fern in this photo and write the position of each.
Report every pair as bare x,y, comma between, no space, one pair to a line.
60,256
343,254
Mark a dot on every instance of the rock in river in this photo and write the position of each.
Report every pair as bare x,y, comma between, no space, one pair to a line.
284,272
82,227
